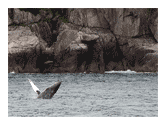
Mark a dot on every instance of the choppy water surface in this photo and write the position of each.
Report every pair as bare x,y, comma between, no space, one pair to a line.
85,95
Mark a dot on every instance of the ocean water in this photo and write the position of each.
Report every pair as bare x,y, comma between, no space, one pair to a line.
85,95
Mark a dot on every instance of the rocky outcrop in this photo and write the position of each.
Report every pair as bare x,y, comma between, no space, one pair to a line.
83,40
24,50
72,40
39,20
139,54
22,17
154,29
73,45
43,30
129,22
9,20
91,45
88,17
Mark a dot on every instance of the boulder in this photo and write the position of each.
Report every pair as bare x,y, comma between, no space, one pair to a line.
71,39
21,39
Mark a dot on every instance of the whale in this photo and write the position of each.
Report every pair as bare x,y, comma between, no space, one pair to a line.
48,93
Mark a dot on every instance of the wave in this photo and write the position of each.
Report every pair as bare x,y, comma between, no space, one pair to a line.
12,72
127,71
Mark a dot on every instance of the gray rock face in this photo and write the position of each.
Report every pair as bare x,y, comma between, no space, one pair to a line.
137,53
154,28
9,20
72,39
88,17
43,30
24,48
21,39
20,17
111,38
122,21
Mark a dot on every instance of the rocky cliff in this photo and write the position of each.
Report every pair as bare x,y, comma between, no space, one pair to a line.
82,40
